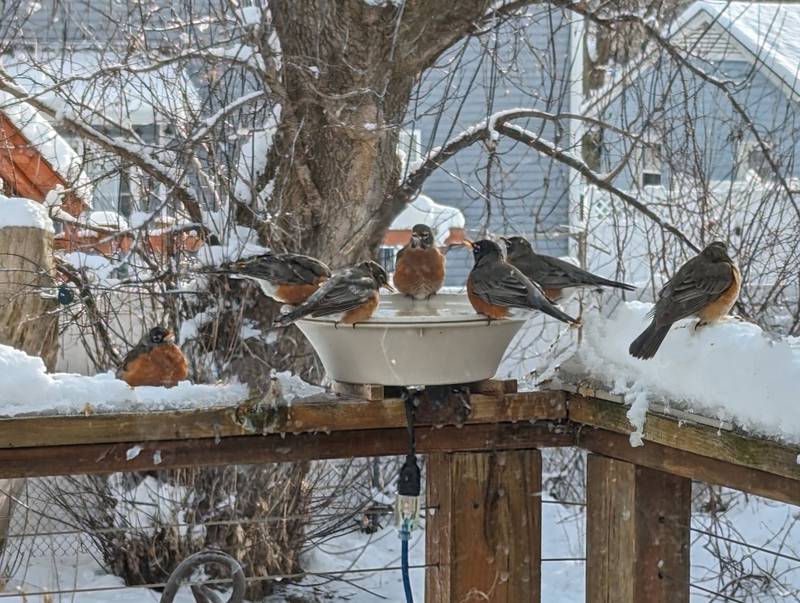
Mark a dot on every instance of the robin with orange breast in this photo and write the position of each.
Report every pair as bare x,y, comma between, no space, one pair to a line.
706,286
494,286
557,278
353,293
419,271
288,278
155,360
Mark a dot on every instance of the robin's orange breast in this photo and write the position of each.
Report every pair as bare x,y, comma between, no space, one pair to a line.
483,307
363,312
720,307
164,365
297,294
419,272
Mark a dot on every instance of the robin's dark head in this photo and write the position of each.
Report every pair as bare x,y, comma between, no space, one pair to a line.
158,335
379,274
422,236
516,246
486,251
717,252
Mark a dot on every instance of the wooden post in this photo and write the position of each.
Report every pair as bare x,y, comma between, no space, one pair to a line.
637,545
483,530
27,320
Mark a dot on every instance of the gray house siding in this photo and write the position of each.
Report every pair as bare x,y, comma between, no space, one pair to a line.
528,192
717,134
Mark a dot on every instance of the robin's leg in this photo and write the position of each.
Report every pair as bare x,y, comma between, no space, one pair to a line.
700,324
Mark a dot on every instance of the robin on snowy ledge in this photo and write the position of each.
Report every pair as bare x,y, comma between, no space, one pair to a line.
557,278
353,293
288,278
155,360
419,271
494,286
706,286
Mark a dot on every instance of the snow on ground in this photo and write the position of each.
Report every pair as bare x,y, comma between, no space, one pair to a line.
732,370
26,388
423,210
18,211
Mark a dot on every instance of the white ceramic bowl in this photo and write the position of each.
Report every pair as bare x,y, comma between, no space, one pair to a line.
407,342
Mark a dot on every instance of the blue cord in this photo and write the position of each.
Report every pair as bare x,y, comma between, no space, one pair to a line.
405,535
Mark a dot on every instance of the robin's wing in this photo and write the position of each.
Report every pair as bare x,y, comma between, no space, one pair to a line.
697,284
345,295
503,285
136,351
284,268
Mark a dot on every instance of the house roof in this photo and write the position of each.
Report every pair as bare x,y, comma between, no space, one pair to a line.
94,87
35,158
765,34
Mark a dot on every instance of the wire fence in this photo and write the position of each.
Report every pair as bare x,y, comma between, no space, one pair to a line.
37,529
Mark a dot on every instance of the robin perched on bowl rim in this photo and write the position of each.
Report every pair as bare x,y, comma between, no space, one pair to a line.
494,286
288,278
155,361
706,286
419,267
352,292
557,278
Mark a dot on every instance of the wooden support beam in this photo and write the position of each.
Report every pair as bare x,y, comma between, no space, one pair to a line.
324,413
484,539
693,466
256,449
637,534
728,446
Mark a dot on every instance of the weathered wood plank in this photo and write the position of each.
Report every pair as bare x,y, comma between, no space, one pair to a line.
321,413
367,391
637,534
438,527
493,520
727,446
256,449
693,466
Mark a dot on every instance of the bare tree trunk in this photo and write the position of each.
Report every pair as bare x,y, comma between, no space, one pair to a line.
27,320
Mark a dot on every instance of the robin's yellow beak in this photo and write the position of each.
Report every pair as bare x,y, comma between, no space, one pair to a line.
467,243
388,287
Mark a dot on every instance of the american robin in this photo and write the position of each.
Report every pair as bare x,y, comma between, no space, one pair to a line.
556,277
289,278
352,292
419,271
494,286
155,360
706,286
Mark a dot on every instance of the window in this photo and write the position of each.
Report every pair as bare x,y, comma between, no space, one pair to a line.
651,165
387,257
752,159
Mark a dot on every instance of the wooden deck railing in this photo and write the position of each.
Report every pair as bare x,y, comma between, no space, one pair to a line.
483,477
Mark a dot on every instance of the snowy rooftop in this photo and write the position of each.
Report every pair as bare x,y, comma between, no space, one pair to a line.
52,147
131,97
769,30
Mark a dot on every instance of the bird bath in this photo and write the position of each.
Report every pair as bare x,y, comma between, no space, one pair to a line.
406,342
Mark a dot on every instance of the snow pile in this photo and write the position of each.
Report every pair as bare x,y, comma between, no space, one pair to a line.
26,387
731,371
18,211
424,210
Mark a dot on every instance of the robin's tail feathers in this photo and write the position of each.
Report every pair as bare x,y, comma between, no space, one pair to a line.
553,311
286,319
604,282
646,345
